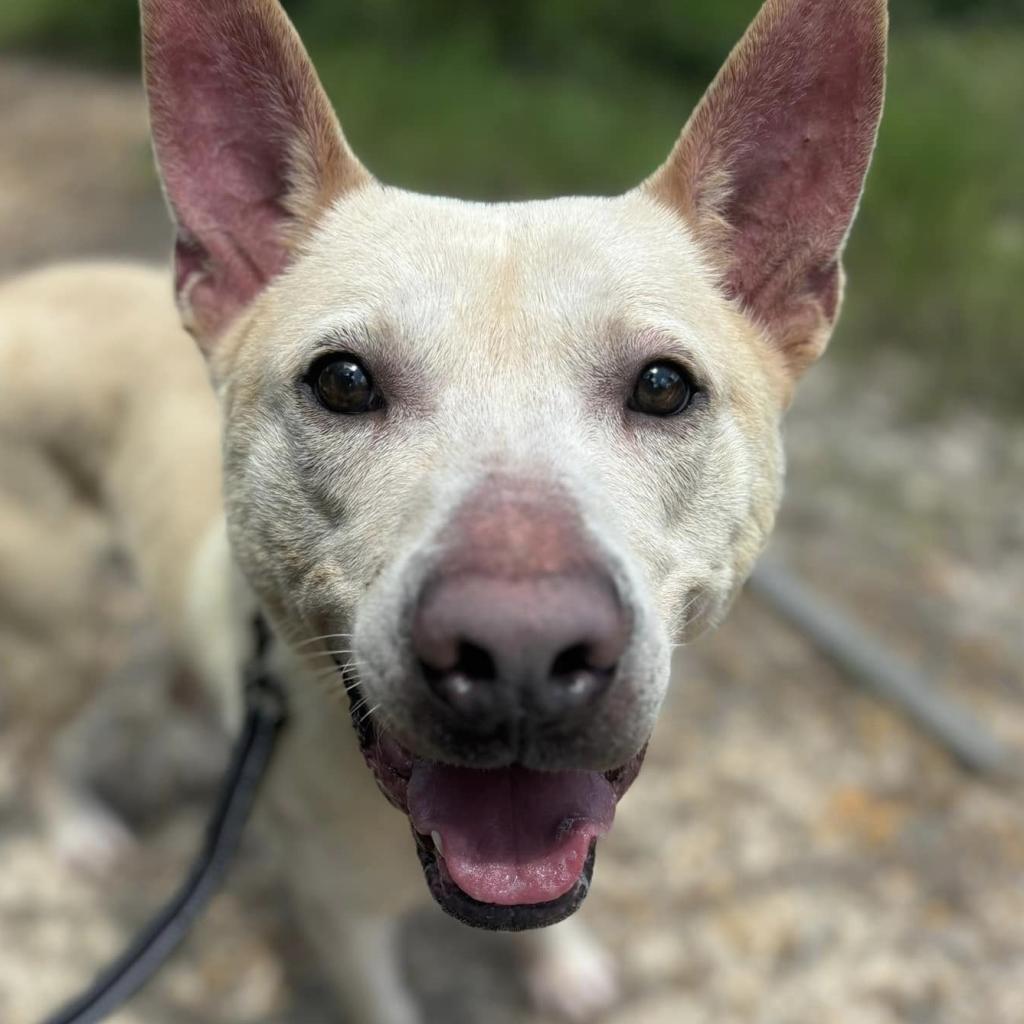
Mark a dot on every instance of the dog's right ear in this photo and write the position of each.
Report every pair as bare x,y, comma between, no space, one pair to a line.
248,147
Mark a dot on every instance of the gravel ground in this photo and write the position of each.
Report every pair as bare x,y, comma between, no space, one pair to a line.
793,853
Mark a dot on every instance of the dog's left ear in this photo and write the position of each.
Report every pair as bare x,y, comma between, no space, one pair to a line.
769,170
248,147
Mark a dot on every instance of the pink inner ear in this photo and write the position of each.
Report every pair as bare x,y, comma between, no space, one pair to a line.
239,121
226,185
779,150
812,96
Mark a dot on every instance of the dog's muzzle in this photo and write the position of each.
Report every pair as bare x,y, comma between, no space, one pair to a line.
501,848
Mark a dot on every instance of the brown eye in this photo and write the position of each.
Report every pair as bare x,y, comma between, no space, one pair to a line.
662,389
343,385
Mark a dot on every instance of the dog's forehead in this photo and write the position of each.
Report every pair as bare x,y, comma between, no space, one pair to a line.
445,264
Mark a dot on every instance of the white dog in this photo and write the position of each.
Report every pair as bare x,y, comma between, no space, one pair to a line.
480,465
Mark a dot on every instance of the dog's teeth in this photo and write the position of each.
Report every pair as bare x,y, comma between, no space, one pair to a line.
438,844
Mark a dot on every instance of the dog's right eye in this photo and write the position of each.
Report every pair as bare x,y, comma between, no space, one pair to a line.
664,388
343,385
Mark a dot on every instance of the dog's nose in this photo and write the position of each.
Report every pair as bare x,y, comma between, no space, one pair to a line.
540,649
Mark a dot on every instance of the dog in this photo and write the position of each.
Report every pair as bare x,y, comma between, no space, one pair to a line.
480,465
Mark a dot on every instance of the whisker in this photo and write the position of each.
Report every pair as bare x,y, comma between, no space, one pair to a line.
322,677
335,691
326,636
342,672
368,714
687,620
338,670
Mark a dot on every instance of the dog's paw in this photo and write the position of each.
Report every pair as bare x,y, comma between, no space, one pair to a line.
576,980
90,839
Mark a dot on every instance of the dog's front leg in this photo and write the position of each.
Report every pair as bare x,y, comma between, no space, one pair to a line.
359,951
350,910
568,974
369,972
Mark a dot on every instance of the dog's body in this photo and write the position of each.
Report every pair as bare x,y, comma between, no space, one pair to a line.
482,464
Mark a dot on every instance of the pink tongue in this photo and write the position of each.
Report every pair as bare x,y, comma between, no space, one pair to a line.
511,836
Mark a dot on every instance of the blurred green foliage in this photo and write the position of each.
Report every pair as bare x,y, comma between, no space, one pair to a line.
937,257
540,97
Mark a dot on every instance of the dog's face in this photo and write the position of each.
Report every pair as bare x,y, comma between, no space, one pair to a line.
498,459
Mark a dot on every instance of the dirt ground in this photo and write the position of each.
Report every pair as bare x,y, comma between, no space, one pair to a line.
793,853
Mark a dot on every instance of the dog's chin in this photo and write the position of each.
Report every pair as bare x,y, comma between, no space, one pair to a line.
506,849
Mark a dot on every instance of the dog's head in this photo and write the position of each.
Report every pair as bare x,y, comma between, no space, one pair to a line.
497,459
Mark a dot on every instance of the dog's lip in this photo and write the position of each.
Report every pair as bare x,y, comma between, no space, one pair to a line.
393,767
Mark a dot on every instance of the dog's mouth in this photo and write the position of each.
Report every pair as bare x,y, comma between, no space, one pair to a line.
501,848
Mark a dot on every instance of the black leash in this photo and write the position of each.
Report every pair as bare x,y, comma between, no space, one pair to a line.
265,717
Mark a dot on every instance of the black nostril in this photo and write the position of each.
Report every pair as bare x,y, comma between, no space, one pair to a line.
571,662
468,686
475,663
574,684
471,662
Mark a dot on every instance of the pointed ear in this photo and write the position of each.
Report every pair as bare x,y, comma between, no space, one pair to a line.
248,148
769,170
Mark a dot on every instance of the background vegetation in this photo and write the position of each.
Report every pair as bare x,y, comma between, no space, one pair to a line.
539,97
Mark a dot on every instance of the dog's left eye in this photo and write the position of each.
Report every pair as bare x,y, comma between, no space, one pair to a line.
343,385
663,389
